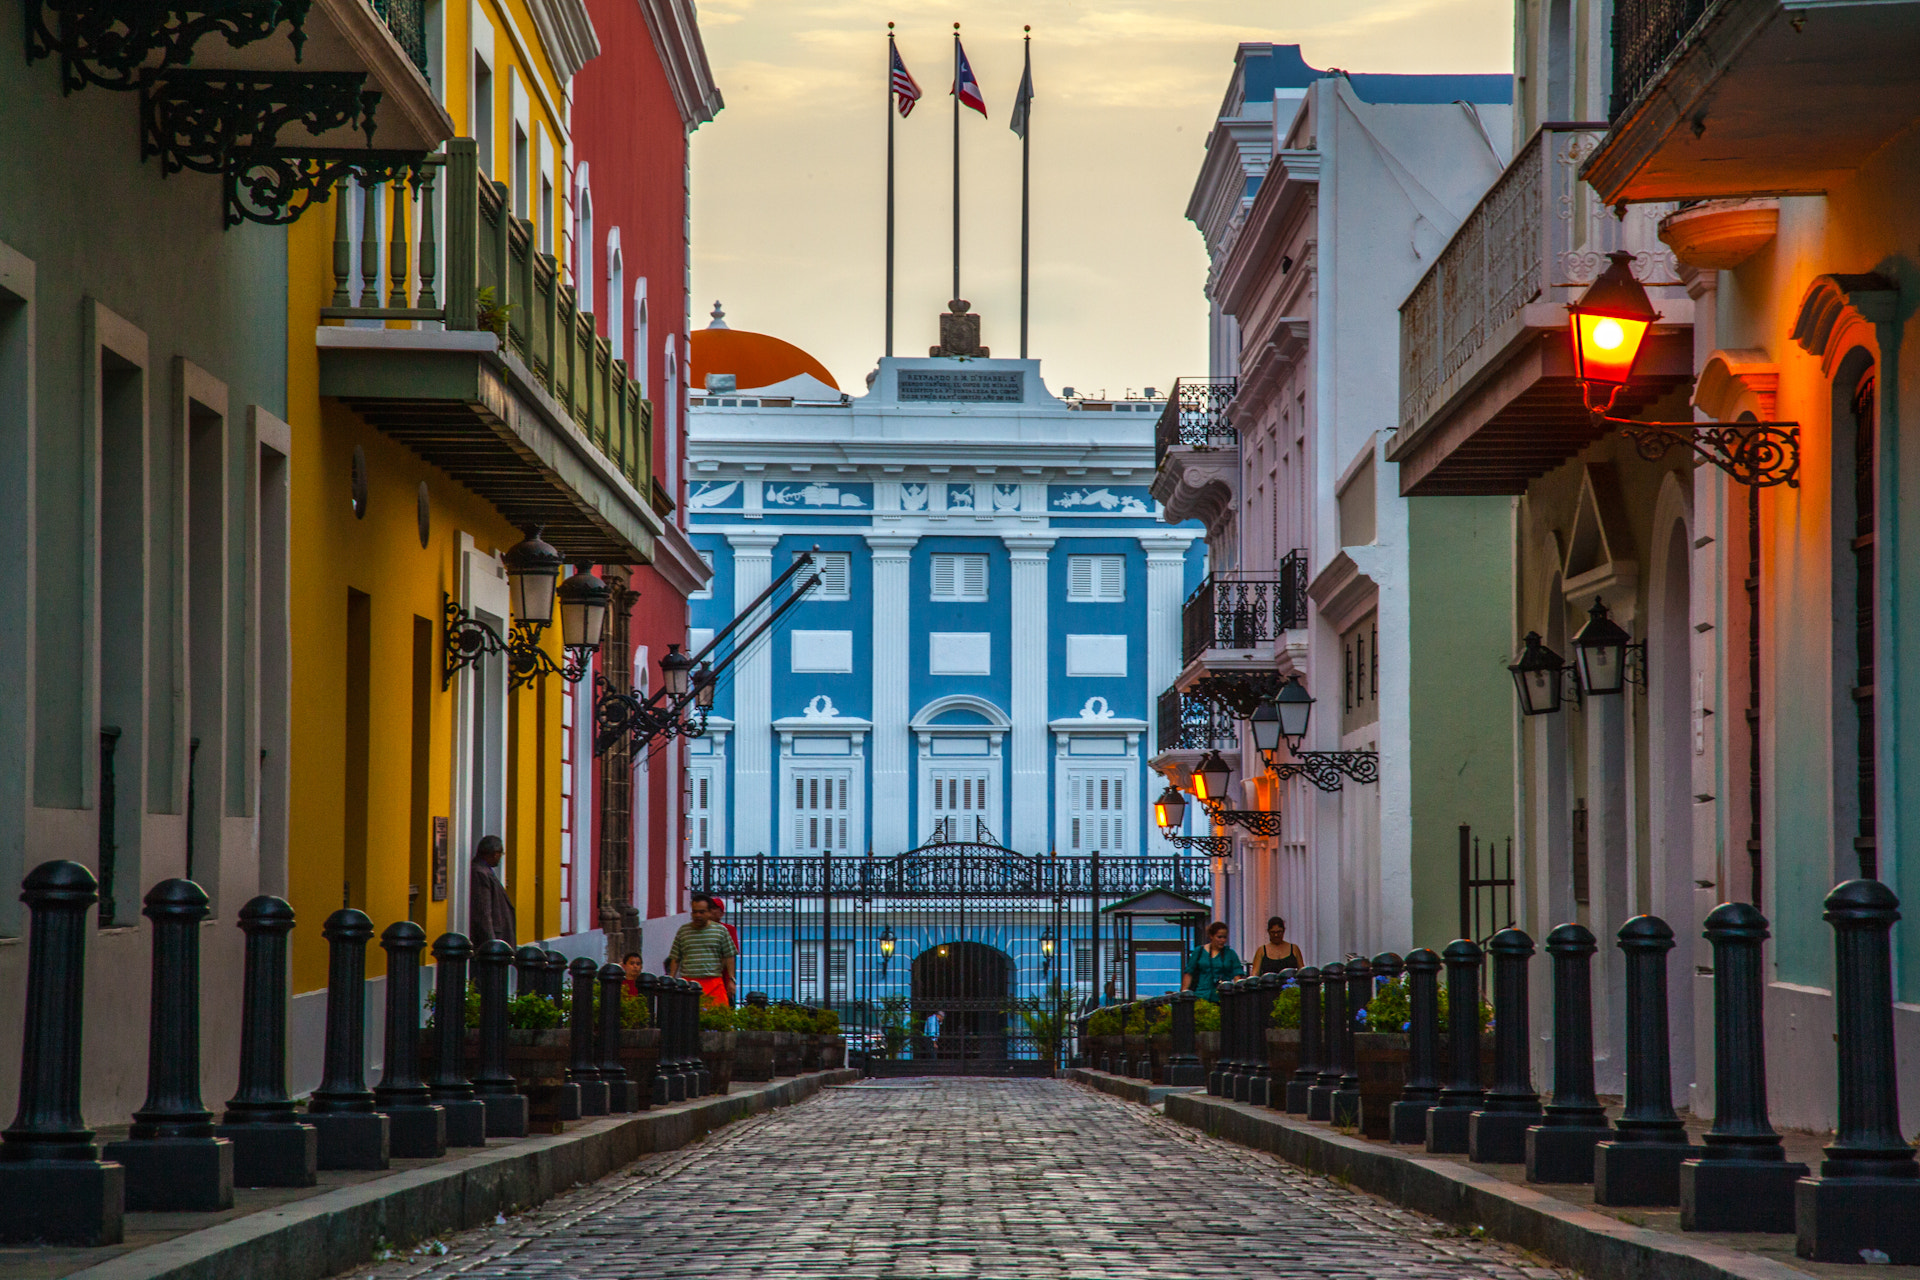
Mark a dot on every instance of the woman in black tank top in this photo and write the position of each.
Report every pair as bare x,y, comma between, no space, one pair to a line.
1278,954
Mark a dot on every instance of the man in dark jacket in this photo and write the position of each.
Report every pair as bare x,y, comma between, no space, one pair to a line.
490,910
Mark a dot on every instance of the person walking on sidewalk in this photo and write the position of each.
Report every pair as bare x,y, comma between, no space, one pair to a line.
490,907
1212,963
704,952
1276,953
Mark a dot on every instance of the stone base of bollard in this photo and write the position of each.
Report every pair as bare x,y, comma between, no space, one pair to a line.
1185,1075
1563,1153
352,1139
1346,1109
1259,1089
1407,1123
1738,1195
417,1132
1215,1080
1320,1101
76,1202
1858,1219
623,1095
506,1114
1243,1088
272,1155
466,1121
1297,1100
175,1175
593,1097
566,1102
1447,1129
1499,1137
1639,1173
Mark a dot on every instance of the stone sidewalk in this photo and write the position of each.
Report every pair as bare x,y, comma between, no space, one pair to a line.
310,1232
959,1177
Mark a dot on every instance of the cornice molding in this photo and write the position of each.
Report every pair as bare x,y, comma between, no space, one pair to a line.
567,32
675,28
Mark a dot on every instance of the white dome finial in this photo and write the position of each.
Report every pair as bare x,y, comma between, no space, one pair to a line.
719,320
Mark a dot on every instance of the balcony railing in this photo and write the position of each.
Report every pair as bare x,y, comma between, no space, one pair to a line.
1537,235
1645,35
407,20
494,279
1189,723
1196,417
1231,611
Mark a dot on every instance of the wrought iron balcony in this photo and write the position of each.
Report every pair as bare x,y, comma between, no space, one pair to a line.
407,20
496,294
1645,34
1196,417
1232,611
1190,723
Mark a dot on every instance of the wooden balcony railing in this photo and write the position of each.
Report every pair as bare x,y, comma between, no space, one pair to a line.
494,279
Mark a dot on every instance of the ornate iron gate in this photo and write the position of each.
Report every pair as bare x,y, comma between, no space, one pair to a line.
955,958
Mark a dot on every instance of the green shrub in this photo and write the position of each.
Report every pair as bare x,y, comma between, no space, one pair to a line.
532,1012
1161,1021
750,1017
1392,1009
1206,1015
791,1018
716,1017
826,1022
1286,1009
1104,1022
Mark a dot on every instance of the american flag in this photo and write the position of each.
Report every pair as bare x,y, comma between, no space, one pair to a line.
905,91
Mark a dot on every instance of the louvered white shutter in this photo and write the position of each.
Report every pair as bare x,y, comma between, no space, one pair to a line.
1080,577
1112,584
943,577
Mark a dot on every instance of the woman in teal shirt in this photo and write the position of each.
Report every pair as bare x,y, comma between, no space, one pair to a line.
1212,963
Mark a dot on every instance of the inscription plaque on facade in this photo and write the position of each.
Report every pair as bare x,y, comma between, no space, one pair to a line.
1000,386
439,859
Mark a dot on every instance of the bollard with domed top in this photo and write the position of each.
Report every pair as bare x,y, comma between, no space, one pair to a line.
1233,1038
702,1083
451,1091
1219,1080
1407,1118
1497,1133
1333,1004
498,1092
1387,967
1300,1088
1359,988
1249,1025
622,1096
654,993
53,1185
1640,1163
581,1068
1741,1180
1260,1086
174,1162
417,1128
1346,1102
1864,1205
1448,1119
353,1132
555,984
271,1147
1183,1061
1560,1147
529,971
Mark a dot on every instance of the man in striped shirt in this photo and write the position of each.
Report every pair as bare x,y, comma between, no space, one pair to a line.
703,951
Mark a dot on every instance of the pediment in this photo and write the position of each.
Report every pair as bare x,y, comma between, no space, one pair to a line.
1729,376
1837,307
1599,547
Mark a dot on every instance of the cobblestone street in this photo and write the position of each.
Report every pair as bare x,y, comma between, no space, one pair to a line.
1000,1179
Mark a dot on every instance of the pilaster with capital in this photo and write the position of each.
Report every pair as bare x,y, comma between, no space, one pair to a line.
1027,608
752,700
892,556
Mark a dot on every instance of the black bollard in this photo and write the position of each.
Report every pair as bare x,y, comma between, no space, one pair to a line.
1183,1062
271,1147
353,1134
1560,1147
1233,1038
492,1081
1333,1006
1497,1133
581,1068
1244,1058
1448,1119
1640,1163
1387,967
658,1088
1300,1088
1218,1080
702,1083
1742,1180
1865,1203
673,1042
1279,1080
172,1158
530,971
417,1127
1407,1119
620,1089
1346,1102
1260,1016
556,978
449,1086
54,1187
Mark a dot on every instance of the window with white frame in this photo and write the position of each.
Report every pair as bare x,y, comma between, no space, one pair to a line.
1083,965
703,827
1096,810
1101,579
641,346
959,577
806,971
616,291
583,247
961,797
836,573
821,807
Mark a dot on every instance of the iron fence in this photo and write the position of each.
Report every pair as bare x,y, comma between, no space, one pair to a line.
1646,34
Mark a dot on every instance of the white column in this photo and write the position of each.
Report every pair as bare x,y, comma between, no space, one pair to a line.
892,746
752,701
1166,576
1028,609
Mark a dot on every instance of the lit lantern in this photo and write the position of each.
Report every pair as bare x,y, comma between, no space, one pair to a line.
1210,778
1610,323
1170,810
533,573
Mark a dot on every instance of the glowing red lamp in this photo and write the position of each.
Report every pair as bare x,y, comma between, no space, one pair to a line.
1610,323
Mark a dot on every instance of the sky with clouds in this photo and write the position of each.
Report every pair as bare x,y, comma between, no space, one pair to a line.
789,181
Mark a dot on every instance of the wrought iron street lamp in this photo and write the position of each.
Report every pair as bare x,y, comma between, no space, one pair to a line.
1540,676
1604,652
533,574
1210,779
1285,716
533,585
1170,813
886,947
676,668
1610,325
1046,951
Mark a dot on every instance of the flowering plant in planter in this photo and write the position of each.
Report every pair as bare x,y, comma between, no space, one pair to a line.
1392,1009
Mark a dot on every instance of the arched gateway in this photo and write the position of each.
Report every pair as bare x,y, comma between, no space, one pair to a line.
958,957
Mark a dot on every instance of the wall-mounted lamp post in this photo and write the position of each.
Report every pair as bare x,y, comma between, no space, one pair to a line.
886,948
1540,677
533,586
1286,715
1605,654
1170,813
1211,778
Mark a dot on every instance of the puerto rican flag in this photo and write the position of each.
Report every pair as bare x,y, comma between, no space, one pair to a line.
905,91
964,85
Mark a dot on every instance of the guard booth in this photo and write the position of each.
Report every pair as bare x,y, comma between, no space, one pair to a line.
1153,933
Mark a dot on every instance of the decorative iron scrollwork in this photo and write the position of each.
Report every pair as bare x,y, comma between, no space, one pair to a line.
1761,454
275,187
109,44
1324,769
1215,846
467,640
1237,692
617,715
201,119
1259,822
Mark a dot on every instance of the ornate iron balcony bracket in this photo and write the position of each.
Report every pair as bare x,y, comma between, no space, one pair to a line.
200,119
1325,768
1259,822
1215,846
1237,693
109,44
466,641
617,715
276,186
527,661
1761,454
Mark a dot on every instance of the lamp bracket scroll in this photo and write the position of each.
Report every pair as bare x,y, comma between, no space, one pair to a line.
1759,454
1258,822
467,640
1324,769
1215,846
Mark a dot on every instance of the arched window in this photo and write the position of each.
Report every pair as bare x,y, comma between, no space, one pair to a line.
583,245
616,294
641,347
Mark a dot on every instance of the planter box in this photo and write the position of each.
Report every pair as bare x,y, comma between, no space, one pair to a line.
1207,1045
716,1050
1159,1048
809,1050
833,1051
786,1053
1103,1052
1380,1059
1283,1059
753,1055
640,1055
